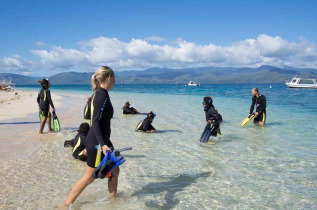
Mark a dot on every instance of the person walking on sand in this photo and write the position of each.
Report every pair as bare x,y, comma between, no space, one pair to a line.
259,101
44,101
99,133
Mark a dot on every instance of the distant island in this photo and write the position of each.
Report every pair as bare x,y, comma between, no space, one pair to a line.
203,75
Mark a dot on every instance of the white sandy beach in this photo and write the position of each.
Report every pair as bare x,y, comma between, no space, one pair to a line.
19,121
18,104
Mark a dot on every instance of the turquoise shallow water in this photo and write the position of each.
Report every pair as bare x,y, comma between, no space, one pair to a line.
246,167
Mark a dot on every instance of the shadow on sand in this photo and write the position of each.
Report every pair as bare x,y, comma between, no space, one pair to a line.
168,131
171,187
20,123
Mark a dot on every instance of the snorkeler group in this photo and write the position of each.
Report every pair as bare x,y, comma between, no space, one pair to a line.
92,142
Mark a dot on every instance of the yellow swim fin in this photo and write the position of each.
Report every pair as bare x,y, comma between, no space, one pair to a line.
247,120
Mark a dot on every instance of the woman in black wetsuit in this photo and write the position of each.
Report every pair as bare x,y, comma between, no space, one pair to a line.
212,115
44,101
99,133
210,111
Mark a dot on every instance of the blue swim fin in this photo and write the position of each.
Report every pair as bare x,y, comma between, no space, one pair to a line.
210,130
109,162
114,159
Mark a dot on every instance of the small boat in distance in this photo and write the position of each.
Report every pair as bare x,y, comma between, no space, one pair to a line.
297,82
191,83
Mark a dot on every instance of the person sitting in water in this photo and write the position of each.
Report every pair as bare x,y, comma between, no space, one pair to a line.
79,143
129,110
146,124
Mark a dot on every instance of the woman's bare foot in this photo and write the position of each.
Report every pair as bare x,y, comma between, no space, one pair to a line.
63,206
113,195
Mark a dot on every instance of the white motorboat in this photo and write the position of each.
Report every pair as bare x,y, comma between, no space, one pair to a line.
191,83
297,82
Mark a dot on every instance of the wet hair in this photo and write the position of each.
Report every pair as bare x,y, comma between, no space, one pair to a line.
151,115
84,128
45,83
256,89
126,105
208,101
100,76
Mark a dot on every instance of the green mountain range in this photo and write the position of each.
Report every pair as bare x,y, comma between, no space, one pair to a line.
202,75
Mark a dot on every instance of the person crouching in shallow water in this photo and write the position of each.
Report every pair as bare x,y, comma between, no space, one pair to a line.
146,124
79,143
44,101
259,101
99,133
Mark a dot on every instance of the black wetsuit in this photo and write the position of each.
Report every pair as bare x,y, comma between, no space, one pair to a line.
79,146
260,103
145,125
99,133
128,110
213,115
44,100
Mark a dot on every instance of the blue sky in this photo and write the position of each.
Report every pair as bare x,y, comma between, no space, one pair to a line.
67,24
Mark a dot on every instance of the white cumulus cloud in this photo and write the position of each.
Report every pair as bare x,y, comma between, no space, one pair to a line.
142,53
15,64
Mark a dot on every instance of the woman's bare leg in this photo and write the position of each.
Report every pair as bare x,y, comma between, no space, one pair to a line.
49,120
42,124
113,184
80,185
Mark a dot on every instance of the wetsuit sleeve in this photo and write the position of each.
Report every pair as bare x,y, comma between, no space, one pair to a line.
151,127
262,105
100,102
38,98
252,105
48,95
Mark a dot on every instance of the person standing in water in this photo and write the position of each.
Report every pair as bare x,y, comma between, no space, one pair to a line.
210,111
259,101
44,101
99,134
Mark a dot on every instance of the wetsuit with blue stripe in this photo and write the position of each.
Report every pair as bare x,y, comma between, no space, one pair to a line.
100,131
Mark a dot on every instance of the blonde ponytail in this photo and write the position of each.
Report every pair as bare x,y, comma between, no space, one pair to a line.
100,76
